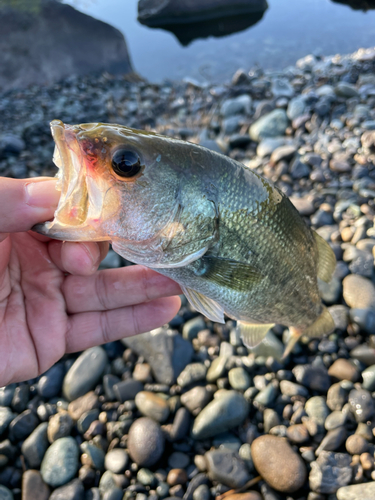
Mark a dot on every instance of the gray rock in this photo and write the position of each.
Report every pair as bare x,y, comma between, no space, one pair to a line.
116,460
267,146
296,107
340,315
368,376
166,353
330,472
21,398
270,346
364,353
178,460
145,442
332,440
365,318
192,327
94,455
317,409
50,383
266,397
109,381
85,373
181,425
196,399
239,378
312,377
238,105
364,491
23,425
33,486
227,468
231,124
358,292
299,170
127,389
283,153
85,420
346,90
202,493
220,415
217,369
337,396
59,425
153,406
5,493
35,446
192,373
71,491
6,394
273,124
6,416
281,88
100,47
60,462
334,420
291,389
361,404
145,477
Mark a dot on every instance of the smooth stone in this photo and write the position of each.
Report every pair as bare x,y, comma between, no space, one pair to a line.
194,372
109,381
192,327
231,124
297,434
202,493
249,495
317,409
280,87
239,379
85,420
356,444
107,482
217,369
33,486
227,468
23,425
114,494
361,404
60,462
292,389
340,315
227,441
330,471
220,415
85,373
6,394
364,491
278,464
145,477
312,377
6,416
296,107
116,460
93,455
343,369
174,351
145,442
330,292
35,446
71,491
364,353
59,425
270,419
127,389
343,89
271,346
358,292
5,493
298,170
368,376
273,124
267,146
50,383
335,419
153,406
332,440
305,205
266,397
178,460
79,406
181,424
238,105
196,399
364,318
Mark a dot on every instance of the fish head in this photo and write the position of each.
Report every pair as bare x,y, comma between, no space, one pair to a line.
116,184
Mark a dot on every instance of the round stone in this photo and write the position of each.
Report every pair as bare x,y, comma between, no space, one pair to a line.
279,465
35,446
153,406
342,369
176,476
145,442
239,379
358,292
297,434
33,486
85,373
178,460
356,444
5,494
116,460
60,425
361,404
60,463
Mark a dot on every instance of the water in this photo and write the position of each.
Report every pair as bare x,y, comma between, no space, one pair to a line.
289,29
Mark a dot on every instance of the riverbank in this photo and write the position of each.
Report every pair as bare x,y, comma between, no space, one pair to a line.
211,417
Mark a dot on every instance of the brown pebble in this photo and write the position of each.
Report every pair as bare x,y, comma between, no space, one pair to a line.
85,403
279,465
298,434
347,234
367,461
176,476
358,292
249,495
356,444
33,486
145,442
60,425
342,369
96,428
176,491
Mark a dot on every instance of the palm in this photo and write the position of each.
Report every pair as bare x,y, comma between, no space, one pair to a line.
45,312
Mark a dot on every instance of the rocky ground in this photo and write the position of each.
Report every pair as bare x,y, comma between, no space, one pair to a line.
187,412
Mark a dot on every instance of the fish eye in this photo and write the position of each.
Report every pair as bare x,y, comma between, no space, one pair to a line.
126,163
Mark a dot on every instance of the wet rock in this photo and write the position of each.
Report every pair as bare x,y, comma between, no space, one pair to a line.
85,373
220,415
60,462
145,442
33,486
271,125
72,491
35,446
153,406
6,416
278,464
116,461
50,383
330,472
227,468
342,369
361,404
365,491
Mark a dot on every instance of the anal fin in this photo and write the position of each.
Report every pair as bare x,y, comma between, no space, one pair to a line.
322,326
208,307
253,334
326,259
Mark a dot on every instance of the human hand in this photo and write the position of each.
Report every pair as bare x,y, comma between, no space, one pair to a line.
52,298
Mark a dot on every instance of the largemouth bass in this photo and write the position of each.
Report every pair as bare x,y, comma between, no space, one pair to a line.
232,240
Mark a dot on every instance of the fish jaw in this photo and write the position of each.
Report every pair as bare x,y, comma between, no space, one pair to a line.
79,210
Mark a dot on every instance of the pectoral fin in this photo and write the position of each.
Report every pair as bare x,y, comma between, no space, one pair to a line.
253,334
229,273
326,259
208,307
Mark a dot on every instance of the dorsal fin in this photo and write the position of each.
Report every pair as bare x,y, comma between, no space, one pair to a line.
326,259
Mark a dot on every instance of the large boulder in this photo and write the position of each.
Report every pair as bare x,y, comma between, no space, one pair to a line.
190,19
52,40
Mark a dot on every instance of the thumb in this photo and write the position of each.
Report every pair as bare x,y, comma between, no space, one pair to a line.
25,202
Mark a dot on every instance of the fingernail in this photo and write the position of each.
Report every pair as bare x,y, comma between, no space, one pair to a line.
93,251
42,194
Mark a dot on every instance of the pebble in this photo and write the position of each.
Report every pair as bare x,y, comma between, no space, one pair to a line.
6,416
5,493
368,376
33,486
342,369
270,125
177,476
279,465
145,477
192,327
93,455
239,379
358,292
60,462
361,404
50,383
217,369
334,420
220,415
297,434
330,472
332,440
71,491
202,493
23,425
192,373
59,425
116,461
356,444
178,460
227,468
317,409
85,373
81,405
312,377
289,388
238,105
249,495
153,406
127,389
145,442
35,446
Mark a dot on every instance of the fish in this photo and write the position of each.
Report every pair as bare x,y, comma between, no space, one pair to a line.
231,239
